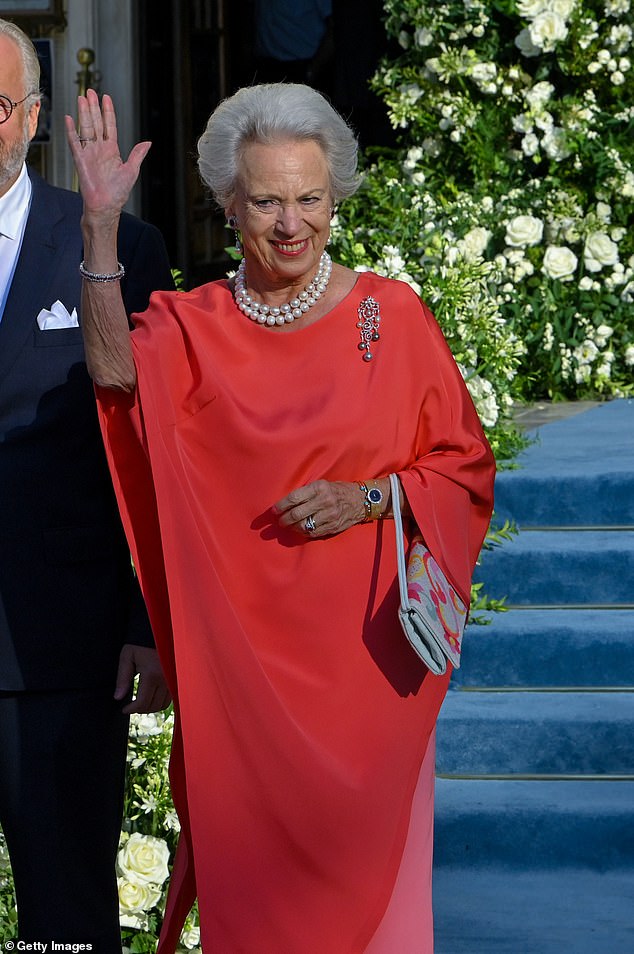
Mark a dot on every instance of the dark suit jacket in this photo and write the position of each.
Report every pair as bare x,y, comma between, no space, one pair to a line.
68,596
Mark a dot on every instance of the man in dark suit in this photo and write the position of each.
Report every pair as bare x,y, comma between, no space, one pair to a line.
73,628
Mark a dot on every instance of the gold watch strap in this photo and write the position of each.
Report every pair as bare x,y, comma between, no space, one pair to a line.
376,508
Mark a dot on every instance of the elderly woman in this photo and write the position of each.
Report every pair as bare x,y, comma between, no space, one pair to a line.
251,426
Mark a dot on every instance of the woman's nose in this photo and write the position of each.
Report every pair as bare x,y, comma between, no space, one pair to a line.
289,219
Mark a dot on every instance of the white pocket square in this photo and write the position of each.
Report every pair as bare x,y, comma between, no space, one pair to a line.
57,317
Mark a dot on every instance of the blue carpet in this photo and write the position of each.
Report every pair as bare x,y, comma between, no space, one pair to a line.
542,733
535,746
549,647
527,825
562,567
542,912
577,472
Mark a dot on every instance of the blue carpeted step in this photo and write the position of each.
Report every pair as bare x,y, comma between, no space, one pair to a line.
561,567
534,824
536,866
579,471
543,733
576,911
531,500
549,647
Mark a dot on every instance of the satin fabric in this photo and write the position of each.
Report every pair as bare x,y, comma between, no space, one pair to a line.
303,715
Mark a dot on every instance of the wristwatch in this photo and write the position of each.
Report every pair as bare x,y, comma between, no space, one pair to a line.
373,500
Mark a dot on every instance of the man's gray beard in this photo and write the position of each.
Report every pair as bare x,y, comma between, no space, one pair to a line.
12,157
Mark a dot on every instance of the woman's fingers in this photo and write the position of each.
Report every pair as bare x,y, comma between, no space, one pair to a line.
109,118
321,508
91,123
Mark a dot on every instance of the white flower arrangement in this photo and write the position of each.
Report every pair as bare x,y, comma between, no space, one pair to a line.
512,205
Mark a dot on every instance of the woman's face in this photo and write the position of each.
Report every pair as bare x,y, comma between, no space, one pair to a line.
283,208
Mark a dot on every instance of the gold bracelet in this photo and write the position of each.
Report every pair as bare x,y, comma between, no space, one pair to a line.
366,503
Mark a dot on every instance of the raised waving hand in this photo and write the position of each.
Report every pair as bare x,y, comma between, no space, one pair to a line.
105,180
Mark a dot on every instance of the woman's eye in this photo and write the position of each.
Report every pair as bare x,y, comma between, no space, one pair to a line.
265,205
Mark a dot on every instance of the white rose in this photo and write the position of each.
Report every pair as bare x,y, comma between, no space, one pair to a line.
530,144
604,212
136,921
144,859
629,356
539,94
554,144
423,37
562,7
524,230
474,242
600,251
559,262
483,396
190,937
544,121
525,45
135,898
522,123
546,30
531,8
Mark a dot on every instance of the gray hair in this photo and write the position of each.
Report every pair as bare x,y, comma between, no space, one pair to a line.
274,112
30,62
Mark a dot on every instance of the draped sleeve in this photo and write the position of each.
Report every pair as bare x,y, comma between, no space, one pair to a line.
303,716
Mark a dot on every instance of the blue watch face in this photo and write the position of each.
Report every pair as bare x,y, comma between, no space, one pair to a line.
375,495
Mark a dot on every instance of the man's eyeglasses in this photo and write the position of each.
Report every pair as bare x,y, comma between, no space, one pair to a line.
7,106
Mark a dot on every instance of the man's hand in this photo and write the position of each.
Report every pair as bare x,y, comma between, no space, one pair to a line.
152,692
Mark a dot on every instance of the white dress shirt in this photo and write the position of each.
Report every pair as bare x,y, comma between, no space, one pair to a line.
14,211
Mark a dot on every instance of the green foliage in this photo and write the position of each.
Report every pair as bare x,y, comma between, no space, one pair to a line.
508,204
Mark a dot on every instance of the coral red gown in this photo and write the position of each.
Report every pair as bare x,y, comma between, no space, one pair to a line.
303,717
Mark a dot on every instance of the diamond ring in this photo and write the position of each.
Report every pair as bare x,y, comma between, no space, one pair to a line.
309,524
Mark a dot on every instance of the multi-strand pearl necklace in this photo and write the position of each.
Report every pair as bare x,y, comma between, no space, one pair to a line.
278,315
